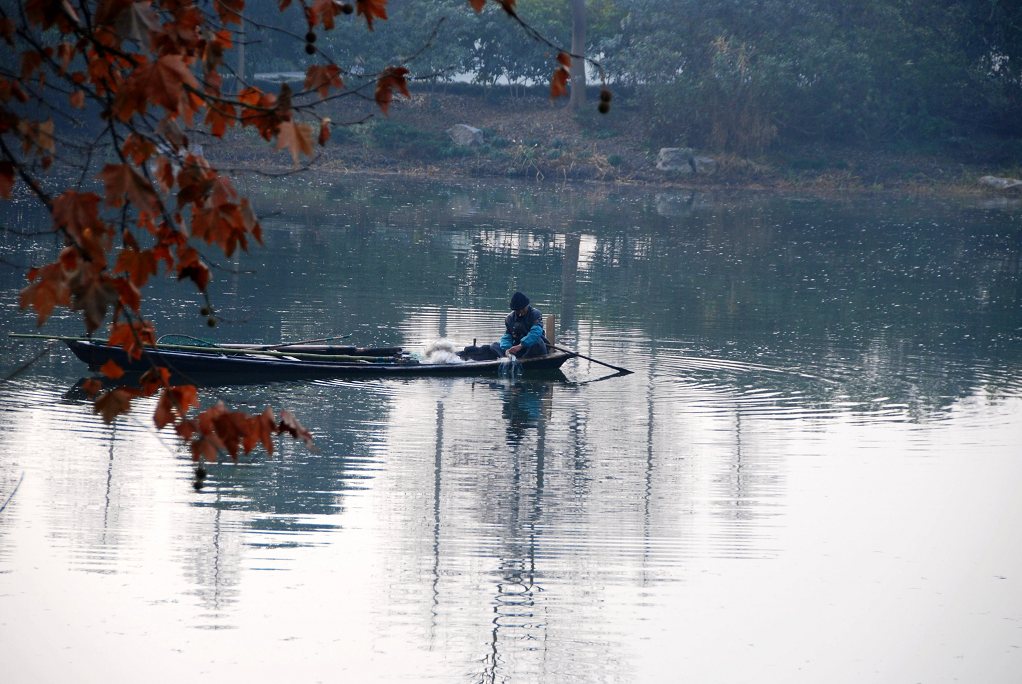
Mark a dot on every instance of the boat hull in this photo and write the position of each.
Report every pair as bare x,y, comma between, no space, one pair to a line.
196,366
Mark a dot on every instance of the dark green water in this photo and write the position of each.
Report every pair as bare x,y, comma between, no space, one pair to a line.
818,452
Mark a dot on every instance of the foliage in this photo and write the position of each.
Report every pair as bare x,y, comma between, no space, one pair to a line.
153,77
871,71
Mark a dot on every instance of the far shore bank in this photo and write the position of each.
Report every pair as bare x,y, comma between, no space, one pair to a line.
540,141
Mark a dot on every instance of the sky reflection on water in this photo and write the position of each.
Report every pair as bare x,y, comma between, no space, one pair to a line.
809,477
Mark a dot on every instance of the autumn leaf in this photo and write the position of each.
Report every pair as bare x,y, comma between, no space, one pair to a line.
321,78
324,11
112,404
190,266
76,211
154,379
230,10
161,82
92,293
121,181
37,136
134,20
174,404
91,387
324,130
6,179
31,60
371,9
132,337
138,149
559,83
128,295
508,6
220,117
289,424
112,370
392,78
477,5
77,99
564,59
139,265
296,138
260,430
164,173
48,288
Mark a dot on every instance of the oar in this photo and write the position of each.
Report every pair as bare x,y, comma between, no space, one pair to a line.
293,344
619,369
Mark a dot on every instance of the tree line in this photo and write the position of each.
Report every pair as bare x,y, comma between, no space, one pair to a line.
733,75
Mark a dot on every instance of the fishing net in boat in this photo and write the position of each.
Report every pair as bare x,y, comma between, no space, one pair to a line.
441,351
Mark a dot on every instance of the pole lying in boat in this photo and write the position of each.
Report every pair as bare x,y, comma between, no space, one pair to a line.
619,369
284,345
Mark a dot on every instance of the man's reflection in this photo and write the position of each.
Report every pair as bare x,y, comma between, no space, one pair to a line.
526,406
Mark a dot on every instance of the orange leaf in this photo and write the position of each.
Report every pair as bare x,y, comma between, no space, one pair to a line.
324,130
174,404
127,294
138,148
78,99
121,181
230,10
37,137
112,370
138,264
112,404
322,77
296,138
564,59
508,6
559,82
371,9
48,288
477,5
92,293
6,179
219,117
91,387
165,173
161,82
132,337
76,212
190,266
153,379
392,78
289,424
324,11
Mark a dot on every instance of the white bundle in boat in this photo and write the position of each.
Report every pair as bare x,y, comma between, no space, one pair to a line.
441,351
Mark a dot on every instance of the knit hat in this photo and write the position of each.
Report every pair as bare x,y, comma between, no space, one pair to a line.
519,301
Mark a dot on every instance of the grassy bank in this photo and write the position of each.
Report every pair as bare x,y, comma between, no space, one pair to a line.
528,136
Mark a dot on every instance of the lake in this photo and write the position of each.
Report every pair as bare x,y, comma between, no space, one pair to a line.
812,474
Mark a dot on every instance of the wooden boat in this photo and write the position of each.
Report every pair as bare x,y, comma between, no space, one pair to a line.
300,361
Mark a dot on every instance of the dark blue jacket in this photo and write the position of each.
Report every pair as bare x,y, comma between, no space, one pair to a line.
526,330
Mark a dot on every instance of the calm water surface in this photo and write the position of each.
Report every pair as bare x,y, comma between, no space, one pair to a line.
813,474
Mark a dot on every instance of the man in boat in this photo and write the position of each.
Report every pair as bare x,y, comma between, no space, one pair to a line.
524,330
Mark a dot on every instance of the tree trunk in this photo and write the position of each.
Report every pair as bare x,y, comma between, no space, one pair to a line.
578,47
